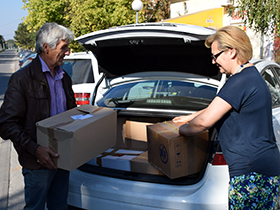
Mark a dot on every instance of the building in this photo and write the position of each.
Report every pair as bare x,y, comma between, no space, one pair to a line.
214,14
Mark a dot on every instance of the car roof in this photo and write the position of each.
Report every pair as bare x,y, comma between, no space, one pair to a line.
262,64
152,47
151,29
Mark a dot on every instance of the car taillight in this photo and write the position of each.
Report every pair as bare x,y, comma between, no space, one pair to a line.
219,159
82,98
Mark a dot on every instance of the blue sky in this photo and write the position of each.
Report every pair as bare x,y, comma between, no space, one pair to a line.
10,16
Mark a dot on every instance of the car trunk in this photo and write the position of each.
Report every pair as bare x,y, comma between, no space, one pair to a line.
131,143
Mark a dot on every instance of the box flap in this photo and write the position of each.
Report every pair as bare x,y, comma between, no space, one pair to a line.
88,108
75,125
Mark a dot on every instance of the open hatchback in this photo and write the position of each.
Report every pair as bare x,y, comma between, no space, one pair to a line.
151,74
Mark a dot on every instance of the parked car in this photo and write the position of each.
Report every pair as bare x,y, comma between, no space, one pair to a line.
27,59
83,69
23,55
157,71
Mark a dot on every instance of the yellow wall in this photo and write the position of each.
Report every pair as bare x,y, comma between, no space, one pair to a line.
209,18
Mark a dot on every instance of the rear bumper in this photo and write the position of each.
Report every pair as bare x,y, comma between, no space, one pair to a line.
90,191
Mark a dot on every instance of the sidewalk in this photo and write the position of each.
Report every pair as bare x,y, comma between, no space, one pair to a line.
11,179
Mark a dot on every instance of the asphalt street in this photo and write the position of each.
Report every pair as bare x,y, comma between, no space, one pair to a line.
11,179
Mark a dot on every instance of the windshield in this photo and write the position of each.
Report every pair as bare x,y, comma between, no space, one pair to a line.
79,70
160,94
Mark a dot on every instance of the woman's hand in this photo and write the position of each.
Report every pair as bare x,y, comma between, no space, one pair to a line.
182,119
186,118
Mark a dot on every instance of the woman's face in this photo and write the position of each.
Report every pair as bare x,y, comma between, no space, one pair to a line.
220,58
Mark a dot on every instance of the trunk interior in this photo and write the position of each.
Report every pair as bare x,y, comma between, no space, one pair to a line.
129,157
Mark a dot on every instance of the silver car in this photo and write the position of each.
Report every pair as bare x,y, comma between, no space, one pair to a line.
156,72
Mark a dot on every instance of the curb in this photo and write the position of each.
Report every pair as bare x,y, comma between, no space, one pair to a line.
5,151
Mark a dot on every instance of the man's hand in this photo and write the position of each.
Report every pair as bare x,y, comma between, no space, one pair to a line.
43,155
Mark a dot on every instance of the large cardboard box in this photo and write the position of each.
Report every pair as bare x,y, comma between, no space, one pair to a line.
78,135
176,156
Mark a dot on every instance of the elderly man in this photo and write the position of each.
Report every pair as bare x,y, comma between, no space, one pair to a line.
35,92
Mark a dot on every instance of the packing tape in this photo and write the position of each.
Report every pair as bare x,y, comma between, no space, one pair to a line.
171,125
53,145
169,128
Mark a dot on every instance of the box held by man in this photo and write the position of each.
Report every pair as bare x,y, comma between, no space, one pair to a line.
78,135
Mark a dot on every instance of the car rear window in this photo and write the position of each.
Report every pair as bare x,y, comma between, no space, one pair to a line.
80,70
165,94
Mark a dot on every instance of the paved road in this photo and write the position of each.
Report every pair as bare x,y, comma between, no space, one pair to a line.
11,179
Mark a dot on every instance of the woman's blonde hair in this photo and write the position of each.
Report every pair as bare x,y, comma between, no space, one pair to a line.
231,37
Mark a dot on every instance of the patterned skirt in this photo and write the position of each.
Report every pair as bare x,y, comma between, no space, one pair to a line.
254,191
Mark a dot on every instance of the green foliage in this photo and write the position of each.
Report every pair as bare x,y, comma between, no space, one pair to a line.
92,15
24,38
85,16
2,42
10,43
41,11
261,16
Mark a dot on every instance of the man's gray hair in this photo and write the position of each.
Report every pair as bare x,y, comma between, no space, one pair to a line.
52,34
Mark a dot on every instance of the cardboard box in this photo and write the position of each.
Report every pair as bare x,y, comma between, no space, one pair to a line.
140,164
77,141
115,159
117,162
134,135
176,156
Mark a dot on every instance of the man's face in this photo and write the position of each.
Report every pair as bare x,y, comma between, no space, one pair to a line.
55,56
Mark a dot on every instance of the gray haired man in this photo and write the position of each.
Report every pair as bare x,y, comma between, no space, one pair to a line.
35,92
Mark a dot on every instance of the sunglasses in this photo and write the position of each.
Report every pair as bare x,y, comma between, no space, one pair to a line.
215,57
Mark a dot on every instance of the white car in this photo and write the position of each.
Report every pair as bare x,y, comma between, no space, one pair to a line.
163,70
83,69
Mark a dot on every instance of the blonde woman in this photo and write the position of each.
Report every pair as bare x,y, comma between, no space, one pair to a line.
242,114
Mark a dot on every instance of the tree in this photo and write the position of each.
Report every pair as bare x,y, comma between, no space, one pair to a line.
85,16
260,16
24,38
92,15
41,11
11,43
2,42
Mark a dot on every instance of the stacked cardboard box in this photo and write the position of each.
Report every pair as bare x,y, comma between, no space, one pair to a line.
126,160
140,164
118,159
